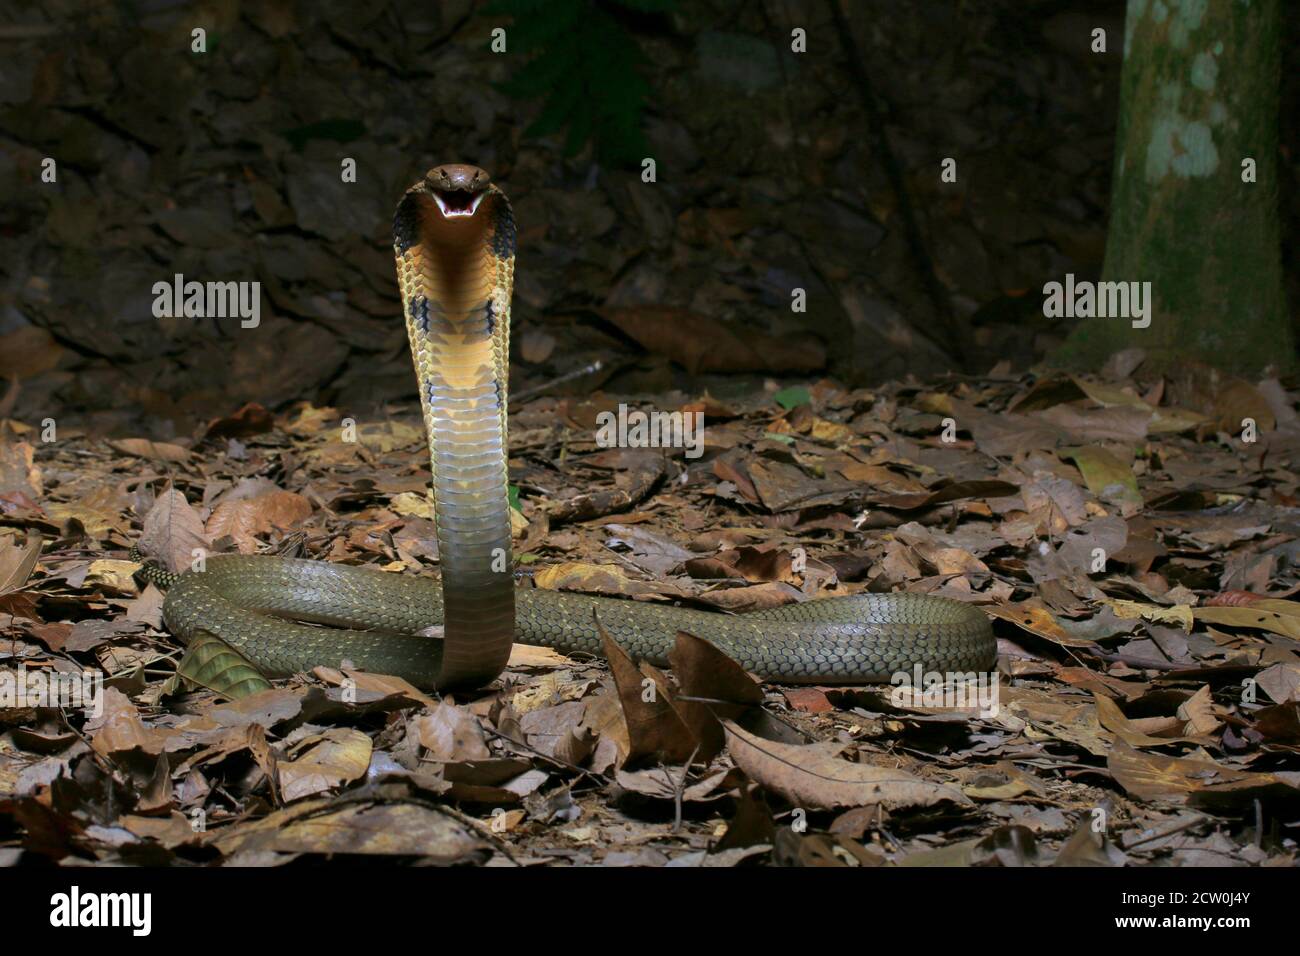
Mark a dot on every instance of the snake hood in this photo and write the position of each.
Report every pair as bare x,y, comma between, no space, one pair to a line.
454,245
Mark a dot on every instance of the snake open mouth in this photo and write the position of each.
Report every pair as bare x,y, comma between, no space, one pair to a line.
457,202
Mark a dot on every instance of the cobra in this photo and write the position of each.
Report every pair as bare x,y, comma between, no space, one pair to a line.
454,243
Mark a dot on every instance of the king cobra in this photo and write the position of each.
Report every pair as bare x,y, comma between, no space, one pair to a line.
454,241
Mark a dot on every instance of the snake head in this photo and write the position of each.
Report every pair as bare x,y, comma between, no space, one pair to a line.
457,188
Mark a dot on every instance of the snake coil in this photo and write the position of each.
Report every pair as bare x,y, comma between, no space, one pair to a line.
454,244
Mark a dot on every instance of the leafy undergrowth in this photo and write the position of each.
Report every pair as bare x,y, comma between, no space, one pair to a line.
1134,545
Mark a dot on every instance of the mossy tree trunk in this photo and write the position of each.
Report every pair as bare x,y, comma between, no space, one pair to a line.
1199,98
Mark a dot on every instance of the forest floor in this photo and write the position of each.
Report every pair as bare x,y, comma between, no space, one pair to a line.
1134,544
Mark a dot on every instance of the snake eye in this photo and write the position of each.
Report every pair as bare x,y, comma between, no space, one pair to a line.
457,202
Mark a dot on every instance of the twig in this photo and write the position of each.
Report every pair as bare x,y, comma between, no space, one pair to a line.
593,367
1160,835
599,778
1137,661
679,788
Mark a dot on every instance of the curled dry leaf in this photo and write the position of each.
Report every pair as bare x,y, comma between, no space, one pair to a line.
339,756
654,725
367,688
712,687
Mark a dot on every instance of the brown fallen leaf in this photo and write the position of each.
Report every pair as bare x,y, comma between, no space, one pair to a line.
1006,846
1052,716
153,450
593,579
1149,776
120,728
807,700
173,532
1281,682
1113,719
1087,847
266,709
1004,781
172,830
112,575
821,850
655,727
98,512
729,471
944,492
663,783
244,518
1106,475
17,563
1180,615
250,419
1257,614
450,734
782,486
815,778
752,825
756,597
370,688
711,687
321,762
373,829
1036,620
19,473
1233,599
1280,723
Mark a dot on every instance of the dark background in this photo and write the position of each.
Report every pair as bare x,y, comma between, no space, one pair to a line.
225,166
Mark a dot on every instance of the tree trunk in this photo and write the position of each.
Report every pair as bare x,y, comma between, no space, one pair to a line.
1199,98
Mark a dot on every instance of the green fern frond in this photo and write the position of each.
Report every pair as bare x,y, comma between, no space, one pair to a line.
586,65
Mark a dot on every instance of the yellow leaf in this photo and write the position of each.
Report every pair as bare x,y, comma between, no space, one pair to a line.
412,503
113,575
1107,476
1180,615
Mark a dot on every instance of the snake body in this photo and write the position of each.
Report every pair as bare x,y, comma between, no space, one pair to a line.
454,244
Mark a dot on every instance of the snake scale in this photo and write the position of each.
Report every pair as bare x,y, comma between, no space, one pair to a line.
454,243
